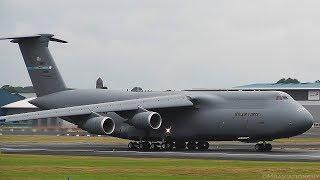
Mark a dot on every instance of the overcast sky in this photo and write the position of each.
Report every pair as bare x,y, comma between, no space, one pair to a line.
167,44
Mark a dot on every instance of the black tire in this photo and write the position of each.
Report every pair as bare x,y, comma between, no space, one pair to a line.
259,147
168,146
180,145
155,146
191,145
131,146
136,145
268,147
144,146
206,145
200,145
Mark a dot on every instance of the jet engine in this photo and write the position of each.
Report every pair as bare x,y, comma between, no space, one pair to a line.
99,125
146,120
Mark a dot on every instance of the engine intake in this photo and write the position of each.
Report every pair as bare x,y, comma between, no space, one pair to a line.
99,125
146,120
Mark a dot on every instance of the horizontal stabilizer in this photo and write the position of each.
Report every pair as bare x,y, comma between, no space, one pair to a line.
17,39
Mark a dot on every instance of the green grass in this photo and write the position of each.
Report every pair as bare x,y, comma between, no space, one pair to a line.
84,167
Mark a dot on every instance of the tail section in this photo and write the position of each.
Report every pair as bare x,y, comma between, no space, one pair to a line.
41,67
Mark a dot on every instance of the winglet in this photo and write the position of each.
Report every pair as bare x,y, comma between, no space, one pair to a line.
17,39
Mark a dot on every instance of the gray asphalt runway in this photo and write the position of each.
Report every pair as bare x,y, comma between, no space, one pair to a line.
224,151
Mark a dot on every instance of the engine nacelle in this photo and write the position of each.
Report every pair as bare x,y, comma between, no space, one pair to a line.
99,125
146,120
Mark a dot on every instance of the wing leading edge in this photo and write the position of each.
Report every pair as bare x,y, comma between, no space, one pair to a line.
172,101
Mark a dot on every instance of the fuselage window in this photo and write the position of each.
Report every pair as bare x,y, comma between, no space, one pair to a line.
279,98
284,97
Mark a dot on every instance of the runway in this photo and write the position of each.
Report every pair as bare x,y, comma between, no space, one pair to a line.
224,151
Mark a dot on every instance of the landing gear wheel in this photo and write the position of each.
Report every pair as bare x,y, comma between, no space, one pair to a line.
144,146
268,147
203,145
133,145
168,145
206,145
180,145
191,145
258,147
155,146
200,145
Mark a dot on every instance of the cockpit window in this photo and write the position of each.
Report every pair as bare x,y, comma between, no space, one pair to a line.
282,98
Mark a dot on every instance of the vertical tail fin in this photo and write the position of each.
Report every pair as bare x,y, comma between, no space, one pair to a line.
41,67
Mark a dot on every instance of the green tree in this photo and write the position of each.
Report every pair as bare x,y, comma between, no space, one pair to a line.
288,81
18,89
136,89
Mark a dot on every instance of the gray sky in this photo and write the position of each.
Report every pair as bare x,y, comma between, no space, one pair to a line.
167,44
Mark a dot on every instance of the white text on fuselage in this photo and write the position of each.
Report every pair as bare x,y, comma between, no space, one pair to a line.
242,114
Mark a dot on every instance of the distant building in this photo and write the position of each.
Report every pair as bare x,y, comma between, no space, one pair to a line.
7,98
298,91
22,105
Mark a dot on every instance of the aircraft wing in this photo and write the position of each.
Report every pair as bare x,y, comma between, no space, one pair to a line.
160,102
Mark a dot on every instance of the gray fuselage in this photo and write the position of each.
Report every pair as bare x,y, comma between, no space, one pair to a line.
248,116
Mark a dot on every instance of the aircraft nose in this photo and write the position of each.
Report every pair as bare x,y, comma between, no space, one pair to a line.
305,120
308,118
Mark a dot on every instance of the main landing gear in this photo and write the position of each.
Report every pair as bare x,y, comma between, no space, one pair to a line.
263,147
168,145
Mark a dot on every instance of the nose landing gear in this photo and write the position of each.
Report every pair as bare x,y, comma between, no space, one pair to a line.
263,147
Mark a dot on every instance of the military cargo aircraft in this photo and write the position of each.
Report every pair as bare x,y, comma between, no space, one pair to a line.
173,120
